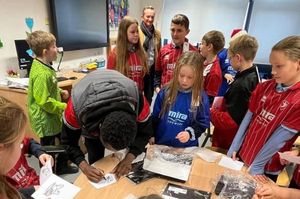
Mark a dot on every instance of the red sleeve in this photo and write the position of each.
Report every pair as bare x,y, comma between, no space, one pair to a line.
69,115
213,80
145,113
25,142
253,98
222,120
111,62
158,62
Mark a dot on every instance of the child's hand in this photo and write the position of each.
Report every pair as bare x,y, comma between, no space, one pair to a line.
44,158
229,78
183,136
265,191
157,89
234,156
151,141
64,94
261,178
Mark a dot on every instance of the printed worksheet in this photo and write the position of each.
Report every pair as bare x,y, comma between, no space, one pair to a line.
45,172
56,188
108,180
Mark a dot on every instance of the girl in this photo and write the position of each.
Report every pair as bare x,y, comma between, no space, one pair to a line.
181,109
128,57
272,122
12,122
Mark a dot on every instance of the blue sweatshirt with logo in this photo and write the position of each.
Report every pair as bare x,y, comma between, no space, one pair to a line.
179,118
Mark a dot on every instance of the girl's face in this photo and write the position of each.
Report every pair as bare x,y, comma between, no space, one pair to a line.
10,155
133,34
284,70
186,77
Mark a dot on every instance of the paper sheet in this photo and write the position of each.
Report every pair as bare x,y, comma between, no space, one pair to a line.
45,172
230,163
110,179
56,188
208,155
290,158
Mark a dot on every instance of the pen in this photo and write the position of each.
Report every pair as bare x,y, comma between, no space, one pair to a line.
102,173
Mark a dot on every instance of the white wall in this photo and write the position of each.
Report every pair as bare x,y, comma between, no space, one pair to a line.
13,26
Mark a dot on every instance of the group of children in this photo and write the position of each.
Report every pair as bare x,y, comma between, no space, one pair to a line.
253,120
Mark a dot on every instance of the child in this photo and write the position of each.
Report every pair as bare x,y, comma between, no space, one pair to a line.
273,191
151,39
12,124
181,109
22,175
44,96
228,72
212,42
169,54
128,57
226,120
272,120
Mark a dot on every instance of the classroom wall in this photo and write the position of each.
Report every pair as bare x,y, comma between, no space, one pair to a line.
13,26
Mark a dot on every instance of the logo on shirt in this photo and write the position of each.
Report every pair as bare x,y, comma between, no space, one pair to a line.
136,68
171,66
283,105
20,173
176,118
265,117
263,99
166,57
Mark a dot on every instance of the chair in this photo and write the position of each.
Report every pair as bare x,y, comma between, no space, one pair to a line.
54,150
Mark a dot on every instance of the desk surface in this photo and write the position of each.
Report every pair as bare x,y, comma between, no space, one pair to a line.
202,175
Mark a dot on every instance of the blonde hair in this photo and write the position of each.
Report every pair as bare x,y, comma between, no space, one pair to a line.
290,46
40,40
216,38
195,60
147,8
12,121
245,45
123,46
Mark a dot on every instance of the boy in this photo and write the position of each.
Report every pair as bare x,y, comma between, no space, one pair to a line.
212,42
169,54
44,96
226,119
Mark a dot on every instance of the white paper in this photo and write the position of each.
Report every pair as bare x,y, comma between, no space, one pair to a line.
45,172
230,163
110,179
56,188
290,158
208,155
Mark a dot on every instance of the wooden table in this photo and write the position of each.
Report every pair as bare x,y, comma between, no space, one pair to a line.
202,175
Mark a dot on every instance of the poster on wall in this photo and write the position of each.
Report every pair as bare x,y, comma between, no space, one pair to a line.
117,10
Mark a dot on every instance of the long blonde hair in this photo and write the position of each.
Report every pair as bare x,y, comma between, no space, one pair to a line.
290,46
195,60
123,46
12,121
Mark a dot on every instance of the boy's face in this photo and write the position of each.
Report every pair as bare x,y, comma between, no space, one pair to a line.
204,48
51,52
178,33
133,34
284,70
148,17
234,60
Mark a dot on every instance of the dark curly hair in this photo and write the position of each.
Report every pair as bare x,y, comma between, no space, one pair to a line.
118,129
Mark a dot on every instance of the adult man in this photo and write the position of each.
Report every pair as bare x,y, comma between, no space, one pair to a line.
151,40
108,111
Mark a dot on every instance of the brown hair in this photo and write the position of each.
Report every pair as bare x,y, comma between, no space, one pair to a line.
216,38
40,40
245,45
290,46
182,20
123,45
195,60
12,121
